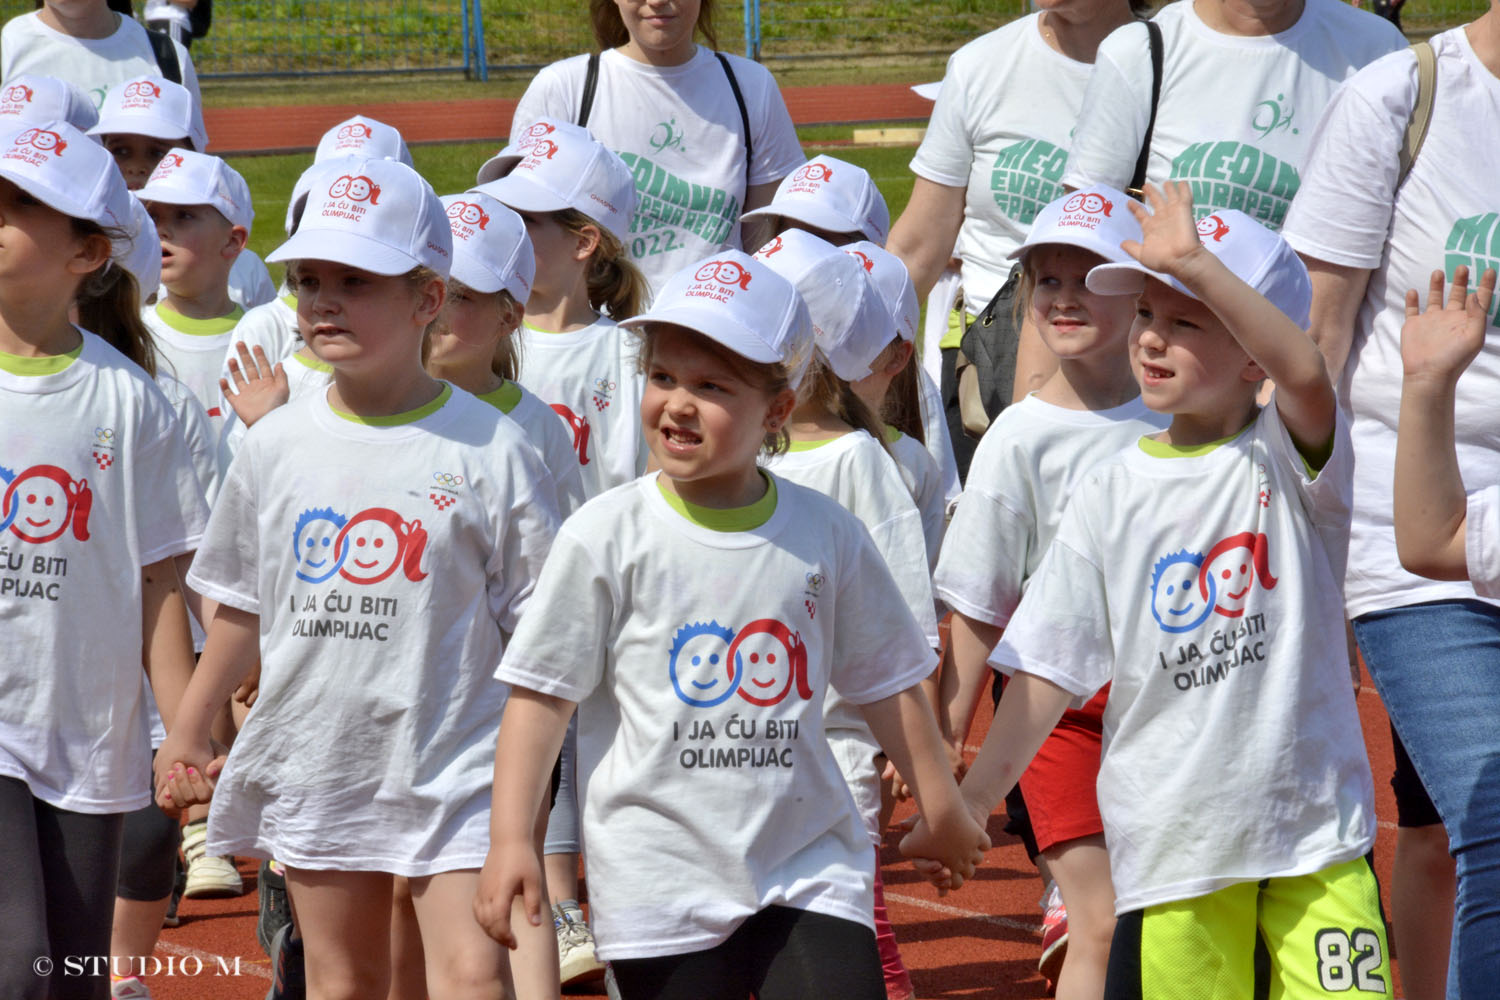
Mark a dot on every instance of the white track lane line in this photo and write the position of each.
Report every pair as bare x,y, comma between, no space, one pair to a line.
956,911
211,962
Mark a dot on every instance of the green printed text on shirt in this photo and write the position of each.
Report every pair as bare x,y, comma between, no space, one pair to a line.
1237,175
1474,242
1027,175
672,207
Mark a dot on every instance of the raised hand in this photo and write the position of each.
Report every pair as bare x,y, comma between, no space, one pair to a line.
1438,343
1169,233
259,387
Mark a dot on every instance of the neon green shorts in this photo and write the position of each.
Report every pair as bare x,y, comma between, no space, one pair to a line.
1312,935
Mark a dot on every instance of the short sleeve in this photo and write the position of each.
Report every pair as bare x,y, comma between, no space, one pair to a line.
227,566
903,545
168,497
776,147
1116,110
984,558
1061,630
946,154
552,93
527,531
1482,541
1332,219
561,643
878,648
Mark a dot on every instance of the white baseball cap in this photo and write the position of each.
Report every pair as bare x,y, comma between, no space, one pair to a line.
184,177
891,278
851,324
361,136
378,215
737,301
40,99
491,251
143,259
1096,218
64,169
1257,256
834,196
150,105
556,165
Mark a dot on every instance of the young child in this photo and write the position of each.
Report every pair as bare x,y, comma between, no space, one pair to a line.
891,391
142,120
1019,484
202,210
719,750
833,199
396,525
1197,573
836,449
576,198
97,495
37,100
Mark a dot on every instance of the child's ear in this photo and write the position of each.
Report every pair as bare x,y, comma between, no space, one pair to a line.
780,410
431,295
1252,372
511,314
589,238
236,240
899,357
93,250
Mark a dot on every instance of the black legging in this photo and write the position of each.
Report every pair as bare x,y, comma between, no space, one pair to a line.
57,897
779,953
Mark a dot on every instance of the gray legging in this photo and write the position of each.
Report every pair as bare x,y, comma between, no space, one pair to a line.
562,823
57,897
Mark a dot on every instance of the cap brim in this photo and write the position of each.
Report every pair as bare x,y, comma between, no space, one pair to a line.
350,249
1082,239
1127,279
711,322
523,195
142,125
476,276
495,168
57,200
811,212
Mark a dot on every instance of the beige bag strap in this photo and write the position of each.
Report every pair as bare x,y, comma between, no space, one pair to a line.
1421,112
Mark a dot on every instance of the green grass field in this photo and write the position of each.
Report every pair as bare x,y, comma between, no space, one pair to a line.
450,168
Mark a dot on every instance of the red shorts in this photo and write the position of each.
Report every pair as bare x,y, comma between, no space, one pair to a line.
1059,786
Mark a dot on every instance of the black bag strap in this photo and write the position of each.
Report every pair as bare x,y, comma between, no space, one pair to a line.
739,100
201,18
590,83
1138,179
166,54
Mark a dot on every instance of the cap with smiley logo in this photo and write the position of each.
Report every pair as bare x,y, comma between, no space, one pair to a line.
834,196
150,105
491,251
39,99
376,215
64,169
1096,218
361,136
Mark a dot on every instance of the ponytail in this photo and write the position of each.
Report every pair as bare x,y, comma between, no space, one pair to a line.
825,389
507,360
616,286
109,306
902,406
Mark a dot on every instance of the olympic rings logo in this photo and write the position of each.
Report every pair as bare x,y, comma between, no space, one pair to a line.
604,385
815,581
447,479
104,435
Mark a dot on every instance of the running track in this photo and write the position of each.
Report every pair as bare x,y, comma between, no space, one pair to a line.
980,943
241,131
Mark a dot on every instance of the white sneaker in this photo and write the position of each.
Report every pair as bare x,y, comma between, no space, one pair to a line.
129,988
207,876
576,960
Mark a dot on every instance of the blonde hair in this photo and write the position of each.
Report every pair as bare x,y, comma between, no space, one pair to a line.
506,361
771,378
821,386
616,286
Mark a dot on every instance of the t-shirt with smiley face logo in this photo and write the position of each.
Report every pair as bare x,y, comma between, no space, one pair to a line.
384,559
700,658
95,482
1203,585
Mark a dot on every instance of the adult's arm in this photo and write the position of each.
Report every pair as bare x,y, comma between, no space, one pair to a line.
1337,291
924,235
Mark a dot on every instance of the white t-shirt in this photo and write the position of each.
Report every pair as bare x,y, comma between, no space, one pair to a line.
550,435
924,481
1236,113
1205,590
193,351
591,378
1443,216
97,483
935,430
856,471
197,430
1482,541
271,326
94,64
1001,129
700,805
1023,473
678,128
371,746
304,376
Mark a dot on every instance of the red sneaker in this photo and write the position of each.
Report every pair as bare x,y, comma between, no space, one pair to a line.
1054,938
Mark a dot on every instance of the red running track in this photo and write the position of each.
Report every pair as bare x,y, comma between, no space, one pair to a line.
295,128
980,943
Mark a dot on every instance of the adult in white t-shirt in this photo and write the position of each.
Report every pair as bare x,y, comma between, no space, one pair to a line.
665,104
1368,237
1242,86
93,48
994,153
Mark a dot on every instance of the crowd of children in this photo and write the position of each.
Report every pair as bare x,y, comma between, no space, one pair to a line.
467,558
